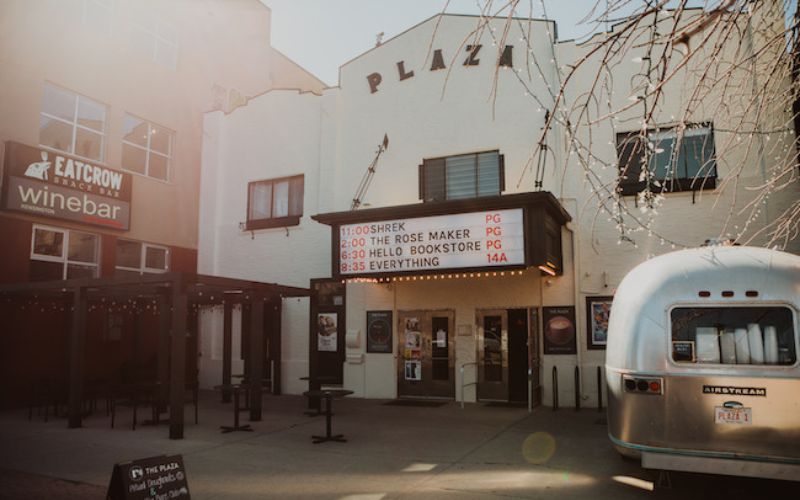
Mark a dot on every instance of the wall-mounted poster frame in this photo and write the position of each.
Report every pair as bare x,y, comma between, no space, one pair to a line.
380,336
598,310
327,325
559,330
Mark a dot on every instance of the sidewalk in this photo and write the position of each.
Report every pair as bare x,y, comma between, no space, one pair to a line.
392,452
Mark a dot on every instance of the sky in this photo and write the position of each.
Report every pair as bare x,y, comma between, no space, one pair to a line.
321,35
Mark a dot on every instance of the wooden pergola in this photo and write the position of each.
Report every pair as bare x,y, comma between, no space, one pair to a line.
173,293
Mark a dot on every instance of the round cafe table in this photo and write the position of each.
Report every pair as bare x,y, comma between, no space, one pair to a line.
328,395
236,389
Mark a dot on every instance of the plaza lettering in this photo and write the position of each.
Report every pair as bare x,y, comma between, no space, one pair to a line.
437,62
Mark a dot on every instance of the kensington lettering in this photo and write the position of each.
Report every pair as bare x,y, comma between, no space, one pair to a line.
734,391
44,198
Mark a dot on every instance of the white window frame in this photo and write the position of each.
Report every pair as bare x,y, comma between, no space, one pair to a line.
75,126
143,269
159,40
148,149
63,259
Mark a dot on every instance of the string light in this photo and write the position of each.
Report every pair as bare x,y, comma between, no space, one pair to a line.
435,277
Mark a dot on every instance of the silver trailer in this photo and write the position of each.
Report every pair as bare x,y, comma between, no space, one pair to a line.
702,363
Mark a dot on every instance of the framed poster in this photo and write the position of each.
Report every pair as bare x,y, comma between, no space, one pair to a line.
413,370
597,311
379,331
326,332
559,330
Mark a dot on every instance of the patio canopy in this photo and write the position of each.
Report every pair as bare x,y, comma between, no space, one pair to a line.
172,293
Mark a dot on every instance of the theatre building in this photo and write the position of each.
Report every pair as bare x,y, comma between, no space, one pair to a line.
100,135
406,199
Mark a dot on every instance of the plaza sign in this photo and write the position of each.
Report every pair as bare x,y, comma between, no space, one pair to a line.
41,182
472,58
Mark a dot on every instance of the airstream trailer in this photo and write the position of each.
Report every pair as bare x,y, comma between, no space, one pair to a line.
702,363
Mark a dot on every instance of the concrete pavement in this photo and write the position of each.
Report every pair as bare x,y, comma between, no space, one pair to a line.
392,452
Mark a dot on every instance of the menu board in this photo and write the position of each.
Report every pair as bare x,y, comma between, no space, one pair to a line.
149,478
494,238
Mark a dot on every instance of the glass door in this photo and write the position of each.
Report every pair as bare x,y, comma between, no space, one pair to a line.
426,358
492,354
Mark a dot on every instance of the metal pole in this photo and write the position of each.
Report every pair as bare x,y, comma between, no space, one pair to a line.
530,387
577,388
77,357
599,390
461,369
555,388
272,376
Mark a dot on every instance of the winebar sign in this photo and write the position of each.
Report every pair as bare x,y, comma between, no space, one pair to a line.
493,238
41,182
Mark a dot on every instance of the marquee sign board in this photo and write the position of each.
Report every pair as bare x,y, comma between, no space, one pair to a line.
491,238
41,182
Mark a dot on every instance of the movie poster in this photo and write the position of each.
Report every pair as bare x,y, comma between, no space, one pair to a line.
326,332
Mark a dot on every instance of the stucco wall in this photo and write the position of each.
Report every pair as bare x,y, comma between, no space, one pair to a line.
275,135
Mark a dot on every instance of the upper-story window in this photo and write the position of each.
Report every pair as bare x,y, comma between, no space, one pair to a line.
678,162
462,176
63,254
156,39
134,257
72,123
274,202
146,148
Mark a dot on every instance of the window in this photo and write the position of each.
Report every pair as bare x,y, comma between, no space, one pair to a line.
72,123
274,203
463,176
63,254
146,148
136,258
155,39
733,335
676,163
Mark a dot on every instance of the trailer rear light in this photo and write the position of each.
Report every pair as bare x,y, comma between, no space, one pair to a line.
643,385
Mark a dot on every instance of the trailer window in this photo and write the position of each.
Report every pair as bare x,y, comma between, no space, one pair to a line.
733,335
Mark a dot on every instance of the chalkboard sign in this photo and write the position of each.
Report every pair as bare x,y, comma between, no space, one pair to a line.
153,478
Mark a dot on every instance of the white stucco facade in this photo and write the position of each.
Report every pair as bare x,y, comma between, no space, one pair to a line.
438,111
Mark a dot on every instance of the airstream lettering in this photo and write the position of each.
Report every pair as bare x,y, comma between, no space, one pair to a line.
702,363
